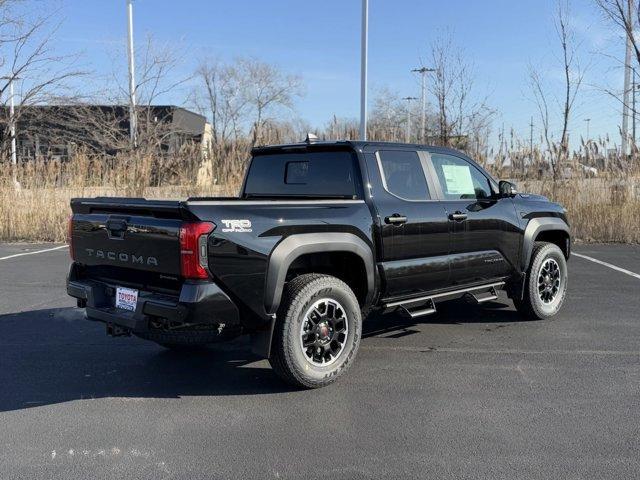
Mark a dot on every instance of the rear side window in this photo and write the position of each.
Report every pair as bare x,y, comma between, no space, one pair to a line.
403,175
328,174
459,179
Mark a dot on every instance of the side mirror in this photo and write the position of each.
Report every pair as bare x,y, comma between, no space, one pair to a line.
507,189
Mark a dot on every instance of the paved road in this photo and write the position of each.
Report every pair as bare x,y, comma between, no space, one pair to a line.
468,393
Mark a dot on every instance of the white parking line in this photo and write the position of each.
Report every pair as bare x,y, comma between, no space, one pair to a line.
600,262
34,252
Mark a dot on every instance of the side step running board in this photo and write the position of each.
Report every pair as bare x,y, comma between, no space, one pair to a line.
492,295
421,306
427,309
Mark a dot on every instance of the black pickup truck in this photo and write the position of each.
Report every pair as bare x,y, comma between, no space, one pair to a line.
321,234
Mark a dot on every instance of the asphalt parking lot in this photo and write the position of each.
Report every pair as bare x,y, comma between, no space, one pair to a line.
471,392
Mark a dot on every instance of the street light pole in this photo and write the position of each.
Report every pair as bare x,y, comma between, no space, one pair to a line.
423,73
364,44
133,120
408,134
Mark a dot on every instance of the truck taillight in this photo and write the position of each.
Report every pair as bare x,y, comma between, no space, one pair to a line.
70,237
193,249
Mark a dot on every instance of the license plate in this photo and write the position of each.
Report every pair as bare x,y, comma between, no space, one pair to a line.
126,298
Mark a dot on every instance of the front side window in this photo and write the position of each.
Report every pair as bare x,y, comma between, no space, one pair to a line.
459,179
403,175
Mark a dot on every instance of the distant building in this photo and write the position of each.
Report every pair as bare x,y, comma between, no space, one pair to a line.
56,131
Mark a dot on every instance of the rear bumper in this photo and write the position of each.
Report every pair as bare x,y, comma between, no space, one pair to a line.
201,303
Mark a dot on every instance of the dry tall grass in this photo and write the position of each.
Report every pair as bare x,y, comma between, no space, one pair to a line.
38,211
600,209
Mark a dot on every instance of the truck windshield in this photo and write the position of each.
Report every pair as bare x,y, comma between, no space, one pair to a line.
322,174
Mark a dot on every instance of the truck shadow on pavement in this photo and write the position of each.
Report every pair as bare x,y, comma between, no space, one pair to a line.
54,356
397,325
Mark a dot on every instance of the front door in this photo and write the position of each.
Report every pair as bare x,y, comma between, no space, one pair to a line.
412,224
485,238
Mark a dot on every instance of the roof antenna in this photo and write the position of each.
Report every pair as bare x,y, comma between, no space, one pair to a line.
311,138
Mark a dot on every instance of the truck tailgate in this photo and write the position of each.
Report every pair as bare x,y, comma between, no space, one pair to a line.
128,235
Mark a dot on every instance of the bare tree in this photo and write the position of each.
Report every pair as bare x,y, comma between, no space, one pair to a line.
626,15
539,93
267,90
460,114
243,96
220,97
388,116
572,76
157,76
341,128
28,59
98,120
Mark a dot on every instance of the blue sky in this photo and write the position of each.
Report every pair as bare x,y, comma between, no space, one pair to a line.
320,42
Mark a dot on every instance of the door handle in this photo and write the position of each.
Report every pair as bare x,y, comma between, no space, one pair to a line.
458,216
396,219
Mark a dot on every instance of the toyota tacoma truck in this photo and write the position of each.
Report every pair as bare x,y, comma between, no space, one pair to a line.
321,234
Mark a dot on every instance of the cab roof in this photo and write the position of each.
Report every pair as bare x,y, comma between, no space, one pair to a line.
358,145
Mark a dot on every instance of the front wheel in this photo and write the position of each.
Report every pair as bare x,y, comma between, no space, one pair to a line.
317,331
546,283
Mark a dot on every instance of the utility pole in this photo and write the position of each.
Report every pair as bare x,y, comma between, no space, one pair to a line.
627,81
531,137
588,120
423,73
364,45
409,100
133,120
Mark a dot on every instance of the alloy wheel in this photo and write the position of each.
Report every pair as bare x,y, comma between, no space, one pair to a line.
549,280
323,333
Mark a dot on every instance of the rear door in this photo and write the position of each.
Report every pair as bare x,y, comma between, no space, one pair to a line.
484,227
413,225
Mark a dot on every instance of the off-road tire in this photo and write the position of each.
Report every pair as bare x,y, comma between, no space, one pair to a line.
287,356
531,305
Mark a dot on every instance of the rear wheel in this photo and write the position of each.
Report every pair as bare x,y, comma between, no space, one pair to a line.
317,331
546,283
